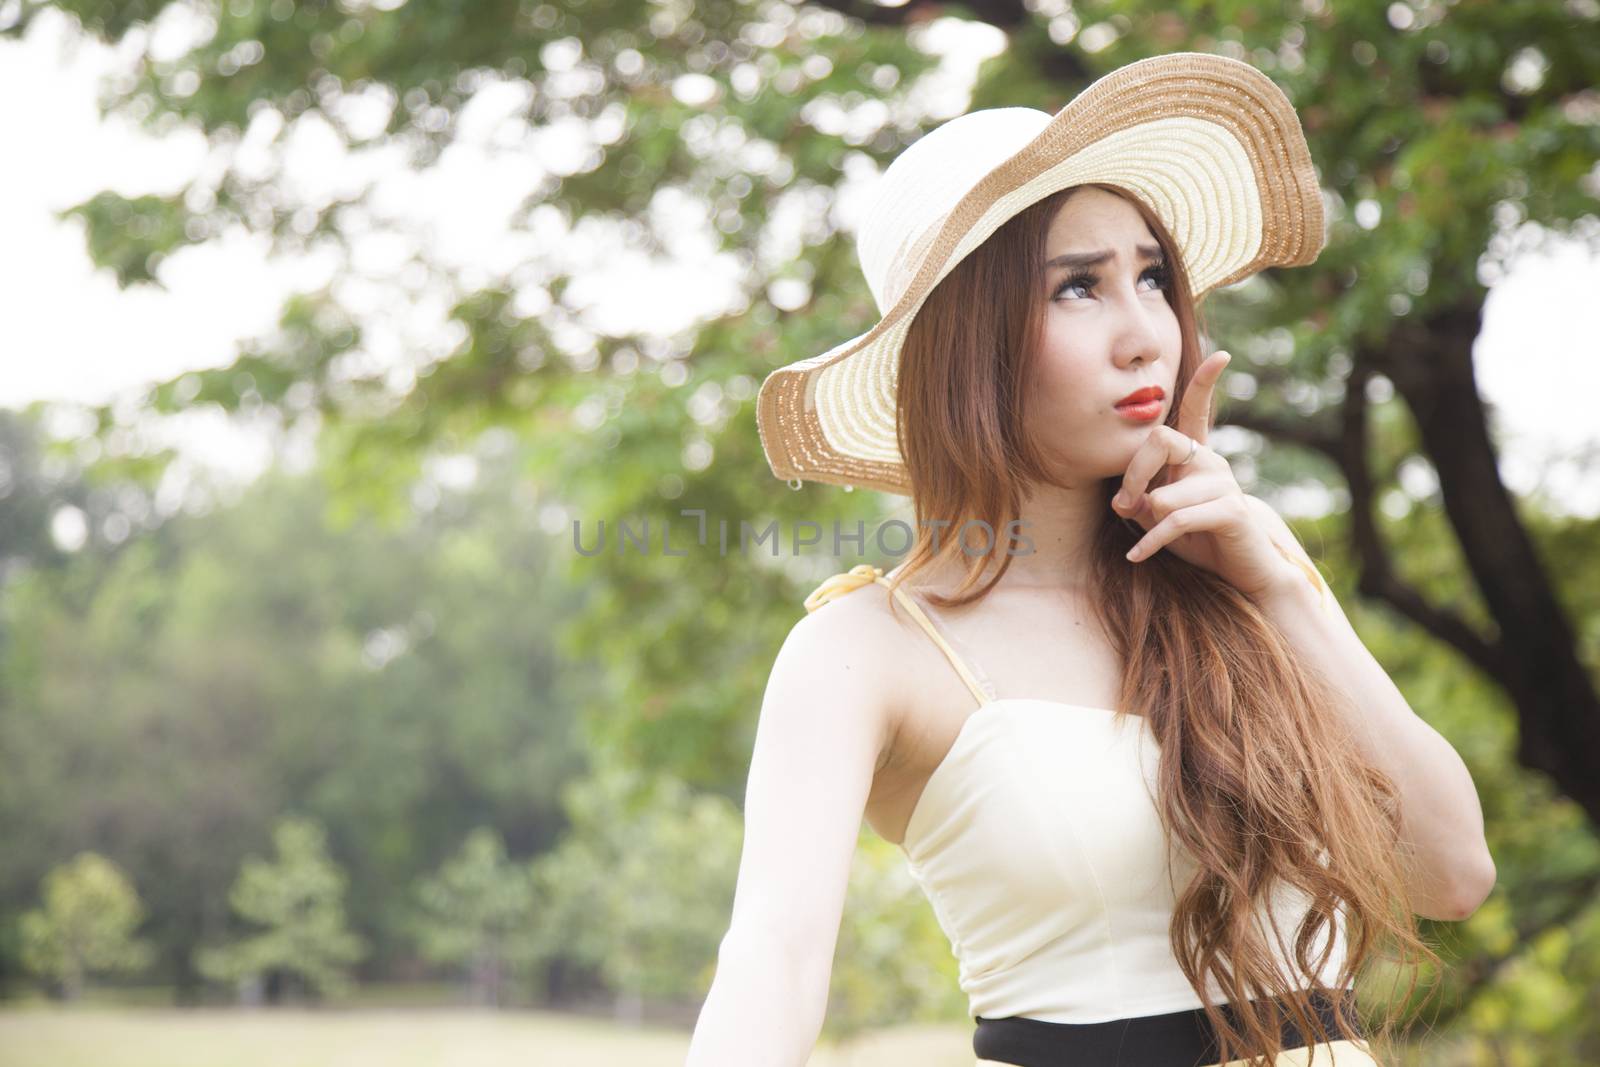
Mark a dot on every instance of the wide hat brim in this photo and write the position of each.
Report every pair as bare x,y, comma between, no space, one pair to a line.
1210,144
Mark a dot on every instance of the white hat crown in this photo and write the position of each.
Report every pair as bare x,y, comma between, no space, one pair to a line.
923,185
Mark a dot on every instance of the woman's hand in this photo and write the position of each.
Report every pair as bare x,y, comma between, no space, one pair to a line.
1200,514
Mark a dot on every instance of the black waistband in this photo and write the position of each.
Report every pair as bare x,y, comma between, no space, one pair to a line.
1176,1039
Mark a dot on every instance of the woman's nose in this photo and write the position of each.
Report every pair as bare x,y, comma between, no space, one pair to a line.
1138,336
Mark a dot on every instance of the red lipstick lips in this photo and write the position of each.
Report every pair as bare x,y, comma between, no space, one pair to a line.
1139,396
1141,404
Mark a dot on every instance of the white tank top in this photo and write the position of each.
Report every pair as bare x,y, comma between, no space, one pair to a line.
1038,843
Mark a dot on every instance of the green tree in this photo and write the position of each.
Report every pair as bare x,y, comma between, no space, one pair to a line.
1441,132
31,492
641,887
297,899
1437,133
427,697
86,925
478,911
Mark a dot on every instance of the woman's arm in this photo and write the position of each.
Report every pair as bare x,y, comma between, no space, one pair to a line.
825,722
1440,812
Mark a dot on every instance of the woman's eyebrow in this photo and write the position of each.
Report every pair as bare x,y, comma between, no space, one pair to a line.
1147,253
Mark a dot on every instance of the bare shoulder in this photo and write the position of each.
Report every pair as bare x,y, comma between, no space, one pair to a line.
846,653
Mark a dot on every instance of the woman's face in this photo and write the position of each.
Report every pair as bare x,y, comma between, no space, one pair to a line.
1108,330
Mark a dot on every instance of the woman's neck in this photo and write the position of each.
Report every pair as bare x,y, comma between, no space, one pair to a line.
1056,532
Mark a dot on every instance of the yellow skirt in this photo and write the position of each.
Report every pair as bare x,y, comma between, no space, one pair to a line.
1333,1053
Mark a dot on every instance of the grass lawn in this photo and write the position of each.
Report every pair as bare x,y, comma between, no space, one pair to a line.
40,1035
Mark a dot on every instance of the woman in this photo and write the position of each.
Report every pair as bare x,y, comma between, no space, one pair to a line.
1189,805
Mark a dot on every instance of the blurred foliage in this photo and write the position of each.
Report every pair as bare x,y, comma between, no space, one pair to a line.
230,656
166,699
1437,131
641,889
85,926
296,900
30,493
477,911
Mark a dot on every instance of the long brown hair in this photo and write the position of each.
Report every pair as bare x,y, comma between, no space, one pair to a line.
1261,783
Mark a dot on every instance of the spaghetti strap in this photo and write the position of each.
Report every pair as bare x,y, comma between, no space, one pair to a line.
865,574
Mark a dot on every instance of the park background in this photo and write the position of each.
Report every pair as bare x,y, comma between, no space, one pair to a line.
321,743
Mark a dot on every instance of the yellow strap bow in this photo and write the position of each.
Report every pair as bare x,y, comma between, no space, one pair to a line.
840,584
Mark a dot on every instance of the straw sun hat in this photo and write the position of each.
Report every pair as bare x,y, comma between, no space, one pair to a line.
1210,144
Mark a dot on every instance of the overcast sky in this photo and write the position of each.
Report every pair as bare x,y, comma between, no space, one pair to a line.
68,333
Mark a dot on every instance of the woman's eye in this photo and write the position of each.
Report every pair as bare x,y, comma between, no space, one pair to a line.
1089,281
1077,281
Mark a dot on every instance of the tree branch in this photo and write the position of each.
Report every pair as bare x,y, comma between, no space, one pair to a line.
1535,658
1305,434
1378,578
1001,14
